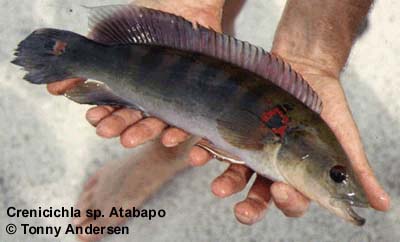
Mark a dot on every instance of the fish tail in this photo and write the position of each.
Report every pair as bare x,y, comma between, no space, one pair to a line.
47,55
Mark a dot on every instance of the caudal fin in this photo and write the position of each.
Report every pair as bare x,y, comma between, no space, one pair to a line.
41,54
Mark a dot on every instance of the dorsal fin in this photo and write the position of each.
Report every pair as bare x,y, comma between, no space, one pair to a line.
130,24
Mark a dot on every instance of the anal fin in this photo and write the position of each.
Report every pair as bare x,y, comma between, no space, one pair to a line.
97,93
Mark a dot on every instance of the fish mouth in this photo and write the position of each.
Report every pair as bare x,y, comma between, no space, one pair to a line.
355,218
346,204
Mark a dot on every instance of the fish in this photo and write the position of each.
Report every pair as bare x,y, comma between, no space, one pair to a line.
247,105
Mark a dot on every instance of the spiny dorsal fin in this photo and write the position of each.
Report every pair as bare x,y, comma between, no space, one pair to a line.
130,24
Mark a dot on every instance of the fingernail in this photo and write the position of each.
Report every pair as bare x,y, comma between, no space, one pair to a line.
220,192
221,187
133,142
247,214
384,196
196,158
171,143
385,201
92,117
281,196
169,140
129,142
244,218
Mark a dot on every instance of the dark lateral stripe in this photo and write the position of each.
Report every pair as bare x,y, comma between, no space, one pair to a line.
212,73
151,62
218,73
152,58
180,68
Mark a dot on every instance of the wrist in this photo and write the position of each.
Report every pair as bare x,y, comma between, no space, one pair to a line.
319,33
308,65
321,79
204,12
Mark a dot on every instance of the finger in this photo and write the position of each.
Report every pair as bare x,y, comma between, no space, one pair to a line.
288,200
376,196
198,156
60,87
96,114
174,136
233,180
347,133
141,132
117,122
253,208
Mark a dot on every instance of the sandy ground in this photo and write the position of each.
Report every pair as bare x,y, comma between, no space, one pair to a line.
48,150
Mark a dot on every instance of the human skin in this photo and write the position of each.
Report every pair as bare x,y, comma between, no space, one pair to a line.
312,39
315,37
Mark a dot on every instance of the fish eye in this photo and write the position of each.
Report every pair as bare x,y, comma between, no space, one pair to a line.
338,173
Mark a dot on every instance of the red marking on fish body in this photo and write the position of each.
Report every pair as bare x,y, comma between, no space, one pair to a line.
277,120
59,47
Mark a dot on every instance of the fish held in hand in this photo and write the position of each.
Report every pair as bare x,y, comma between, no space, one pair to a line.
249,105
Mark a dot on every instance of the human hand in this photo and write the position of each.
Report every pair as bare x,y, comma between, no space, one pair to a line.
317,45
337,115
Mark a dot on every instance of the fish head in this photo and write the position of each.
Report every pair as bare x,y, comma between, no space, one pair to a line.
317,166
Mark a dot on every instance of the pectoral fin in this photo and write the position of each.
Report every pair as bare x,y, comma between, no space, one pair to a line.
97,93
245,130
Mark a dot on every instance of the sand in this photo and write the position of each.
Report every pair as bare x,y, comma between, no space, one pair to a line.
48,150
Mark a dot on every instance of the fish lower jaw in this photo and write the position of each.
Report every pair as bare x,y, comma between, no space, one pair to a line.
344,210
356,219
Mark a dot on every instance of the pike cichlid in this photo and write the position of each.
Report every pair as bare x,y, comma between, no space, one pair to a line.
249,105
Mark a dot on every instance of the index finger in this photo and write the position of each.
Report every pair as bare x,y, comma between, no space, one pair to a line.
377,197
347,133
